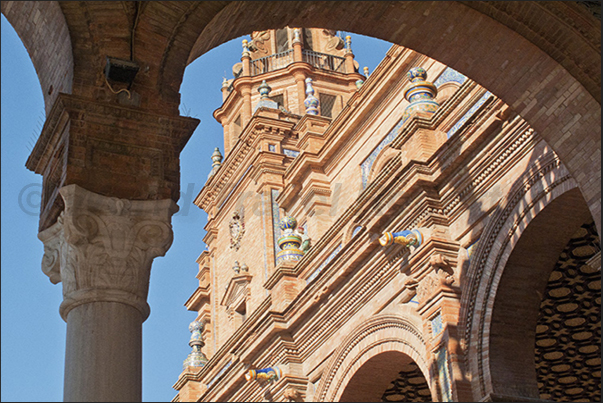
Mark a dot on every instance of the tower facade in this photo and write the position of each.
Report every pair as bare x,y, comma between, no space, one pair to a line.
283,59
357,224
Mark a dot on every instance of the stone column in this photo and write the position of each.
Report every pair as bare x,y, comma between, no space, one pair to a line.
101,249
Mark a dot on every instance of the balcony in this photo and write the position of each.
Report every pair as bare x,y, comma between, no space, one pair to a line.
281,60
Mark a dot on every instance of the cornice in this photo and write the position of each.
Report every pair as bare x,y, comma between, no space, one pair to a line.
196,300
215,188
204,255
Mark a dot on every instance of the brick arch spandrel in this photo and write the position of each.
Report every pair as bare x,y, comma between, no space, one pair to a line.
540,187
44,32
549,77
379,334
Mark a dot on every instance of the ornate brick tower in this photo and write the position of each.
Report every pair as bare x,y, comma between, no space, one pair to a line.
289,86
272,74
359,228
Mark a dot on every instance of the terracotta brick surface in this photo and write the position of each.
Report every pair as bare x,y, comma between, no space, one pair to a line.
541,59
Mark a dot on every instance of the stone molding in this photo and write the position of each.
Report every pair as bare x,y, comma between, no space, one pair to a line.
546,179
101,248
237,291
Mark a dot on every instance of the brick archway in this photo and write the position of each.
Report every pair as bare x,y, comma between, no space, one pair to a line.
508,274
546,68
382,333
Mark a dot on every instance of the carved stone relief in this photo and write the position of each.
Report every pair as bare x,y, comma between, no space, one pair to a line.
333,41
441,274
236,227
260,43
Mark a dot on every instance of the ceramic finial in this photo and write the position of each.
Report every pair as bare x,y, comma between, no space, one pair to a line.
420,94
246,49
264,89
216,159
348,44
311,102
196,358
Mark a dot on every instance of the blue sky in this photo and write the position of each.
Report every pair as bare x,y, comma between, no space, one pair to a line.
33,333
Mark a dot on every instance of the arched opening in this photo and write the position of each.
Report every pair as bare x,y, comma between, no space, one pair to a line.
391,376
523,326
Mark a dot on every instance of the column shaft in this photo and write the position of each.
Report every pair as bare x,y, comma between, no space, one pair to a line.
103,359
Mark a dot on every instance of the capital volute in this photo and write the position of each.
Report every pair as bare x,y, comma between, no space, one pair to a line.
101,248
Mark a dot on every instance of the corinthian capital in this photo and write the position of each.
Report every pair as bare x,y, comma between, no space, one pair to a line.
101,248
